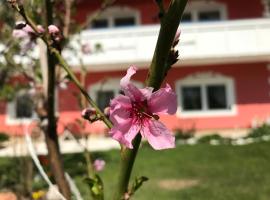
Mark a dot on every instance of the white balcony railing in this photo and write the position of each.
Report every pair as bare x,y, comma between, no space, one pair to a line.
215,42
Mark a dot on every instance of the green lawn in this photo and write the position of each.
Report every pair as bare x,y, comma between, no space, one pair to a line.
222,172
217,172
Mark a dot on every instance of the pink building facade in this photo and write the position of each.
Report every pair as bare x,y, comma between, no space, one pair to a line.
222,79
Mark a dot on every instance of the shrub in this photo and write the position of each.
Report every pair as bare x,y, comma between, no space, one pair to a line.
208,138
3,137
260,131
181,134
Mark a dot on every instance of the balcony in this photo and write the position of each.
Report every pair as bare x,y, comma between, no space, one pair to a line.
200,43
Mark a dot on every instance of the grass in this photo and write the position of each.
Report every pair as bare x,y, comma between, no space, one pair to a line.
222,172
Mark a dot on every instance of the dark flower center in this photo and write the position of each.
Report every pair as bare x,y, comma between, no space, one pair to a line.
140,111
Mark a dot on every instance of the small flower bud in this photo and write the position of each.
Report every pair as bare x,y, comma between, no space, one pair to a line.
54,32
126,196
40,29
107,111
53,29
99,165
86,49
176,37
89,114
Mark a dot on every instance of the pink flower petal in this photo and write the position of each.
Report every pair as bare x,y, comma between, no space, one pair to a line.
163,101
134,93
28,29
120,101
147,92
129,88
158,136
119,116
19,33
124,133
126,79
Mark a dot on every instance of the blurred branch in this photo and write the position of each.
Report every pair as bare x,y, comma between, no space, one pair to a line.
96,14
62,62
162,11
51,128
67,17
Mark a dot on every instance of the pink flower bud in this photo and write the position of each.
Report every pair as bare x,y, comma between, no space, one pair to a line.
89,114
99,164
107,111
86,49
53,29
177,35
18,33
126,196
40,29
28,29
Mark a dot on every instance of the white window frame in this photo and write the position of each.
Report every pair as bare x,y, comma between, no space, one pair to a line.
202,80
119,12
11,119
194,8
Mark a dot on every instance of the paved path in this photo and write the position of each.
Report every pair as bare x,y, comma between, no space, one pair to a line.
18,147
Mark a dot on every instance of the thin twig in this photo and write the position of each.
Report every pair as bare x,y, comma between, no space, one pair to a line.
62,62
96,14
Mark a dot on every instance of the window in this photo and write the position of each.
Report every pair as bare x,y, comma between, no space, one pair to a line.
104,97
205,95
266,5
202,11
186,17
216,97
191,98
117,17
21,109
103,91
124,21
213,15
24,106
100,23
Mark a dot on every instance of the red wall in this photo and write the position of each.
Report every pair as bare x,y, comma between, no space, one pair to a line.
241,9
251,88
237,9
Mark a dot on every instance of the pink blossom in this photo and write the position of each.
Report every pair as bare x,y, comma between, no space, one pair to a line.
40,29
26,33
86,49
21,30
137,111
53,29
19,33
107,111
99,164
55,32
28,29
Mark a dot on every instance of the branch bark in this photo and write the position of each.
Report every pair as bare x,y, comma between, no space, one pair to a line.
51,129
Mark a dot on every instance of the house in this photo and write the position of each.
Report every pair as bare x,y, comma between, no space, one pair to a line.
222,79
